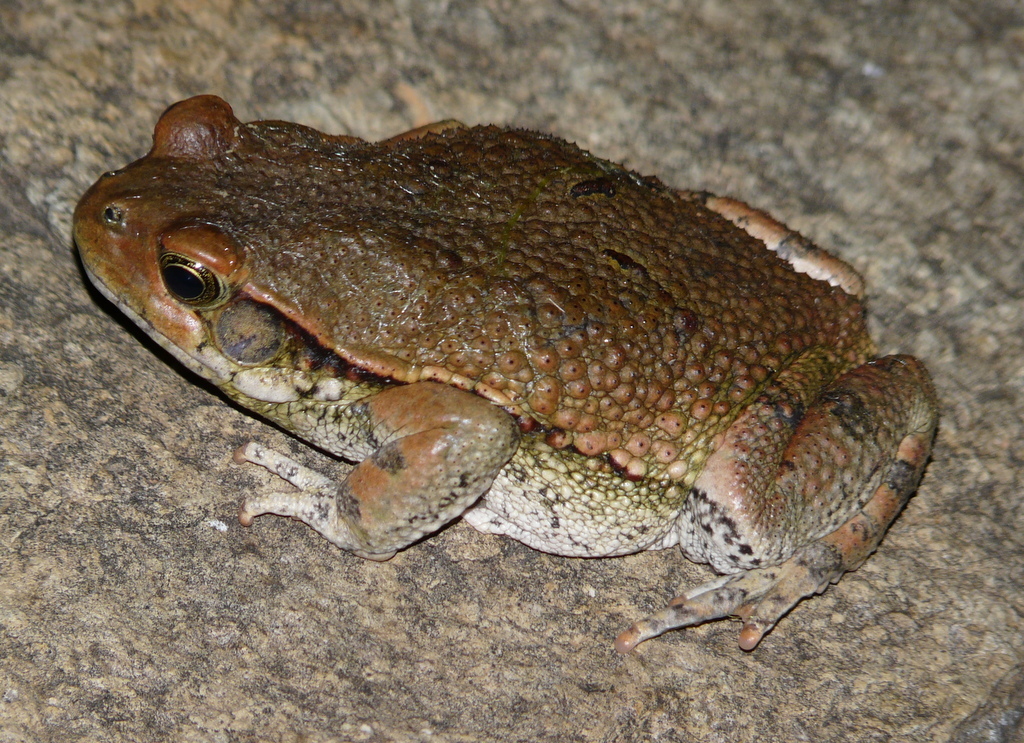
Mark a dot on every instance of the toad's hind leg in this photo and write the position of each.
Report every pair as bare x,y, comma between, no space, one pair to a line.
436,450
876,423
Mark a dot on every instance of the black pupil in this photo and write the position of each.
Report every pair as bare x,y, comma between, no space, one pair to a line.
183,282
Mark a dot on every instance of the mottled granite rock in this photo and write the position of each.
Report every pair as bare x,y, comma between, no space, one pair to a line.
133,606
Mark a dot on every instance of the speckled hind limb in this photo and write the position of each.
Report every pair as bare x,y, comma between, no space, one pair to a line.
436,449
892,396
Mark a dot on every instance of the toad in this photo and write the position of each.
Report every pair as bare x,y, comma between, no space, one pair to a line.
494,324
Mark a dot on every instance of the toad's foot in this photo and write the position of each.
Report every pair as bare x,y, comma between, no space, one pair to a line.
759,597
314,502
437,450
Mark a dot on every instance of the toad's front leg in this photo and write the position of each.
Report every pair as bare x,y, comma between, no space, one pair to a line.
437,450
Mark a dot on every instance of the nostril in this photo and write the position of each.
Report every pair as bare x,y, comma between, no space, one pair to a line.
113,216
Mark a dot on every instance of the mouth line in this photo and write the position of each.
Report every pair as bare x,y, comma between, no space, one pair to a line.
204,364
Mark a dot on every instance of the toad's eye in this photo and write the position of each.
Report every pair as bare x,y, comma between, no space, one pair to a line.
114,216
190,281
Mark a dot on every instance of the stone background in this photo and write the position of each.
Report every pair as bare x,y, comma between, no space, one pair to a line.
134,608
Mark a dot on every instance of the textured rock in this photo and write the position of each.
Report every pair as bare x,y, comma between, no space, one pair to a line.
132,605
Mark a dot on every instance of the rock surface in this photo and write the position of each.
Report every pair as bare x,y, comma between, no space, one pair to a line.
134,607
